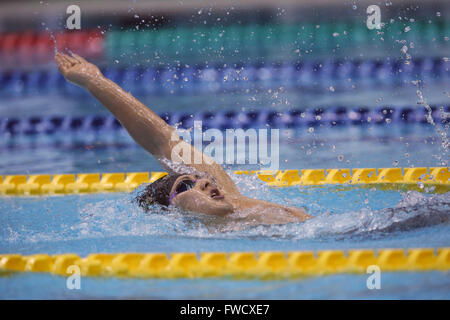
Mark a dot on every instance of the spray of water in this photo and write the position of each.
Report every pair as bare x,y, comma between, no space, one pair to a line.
443,157
441,133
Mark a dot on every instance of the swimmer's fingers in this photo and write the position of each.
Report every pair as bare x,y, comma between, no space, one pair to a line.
78,58
58,58
62,64
72,61
62,69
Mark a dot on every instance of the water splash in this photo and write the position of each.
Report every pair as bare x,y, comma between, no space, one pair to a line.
413,211
443,157
445,144
121,217
55,45
52,36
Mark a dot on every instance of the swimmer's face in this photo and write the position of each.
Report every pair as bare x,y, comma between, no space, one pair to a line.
199,195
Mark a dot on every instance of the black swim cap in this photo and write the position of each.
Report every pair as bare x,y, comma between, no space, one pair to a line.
157,192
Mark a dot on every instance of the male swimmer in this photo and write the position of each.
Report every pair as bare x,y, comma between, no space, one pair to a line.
209,190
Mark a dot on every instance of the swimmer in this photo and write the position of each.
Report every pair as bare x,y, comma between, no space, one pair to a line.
206,189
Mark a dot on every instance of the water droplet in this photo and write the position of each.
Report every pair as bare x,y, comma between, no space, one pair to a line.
341,157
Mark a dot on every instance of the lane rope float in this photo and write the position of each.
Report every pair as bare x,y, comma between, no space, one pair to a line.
235,265
251,39
201,78
330,116
437,178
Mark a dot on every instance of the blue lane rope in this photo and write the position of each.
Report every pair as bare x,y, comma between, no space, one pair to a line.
190,79
264,118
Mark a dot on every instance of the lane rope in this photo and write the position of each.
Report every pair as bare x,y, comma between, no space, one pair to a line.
31,46
251,39
330,116
236,265
200,78
411,178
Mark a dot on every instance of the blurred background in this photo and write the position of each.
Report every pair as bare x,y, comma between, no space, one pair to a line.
177,38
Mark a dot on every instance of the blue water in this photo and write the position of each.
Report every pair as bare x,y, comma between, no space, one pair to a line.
358,217
349,218
345,217
382,146
426,285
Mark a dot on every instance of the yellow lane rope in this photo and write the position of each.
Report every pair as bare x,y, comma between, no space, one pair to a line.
235,265
42,184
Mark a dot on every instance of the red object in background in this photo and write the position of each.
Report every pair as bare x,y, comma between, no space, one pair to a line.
25,46
8,46
95,44
8,42
31,47
88,44
44,47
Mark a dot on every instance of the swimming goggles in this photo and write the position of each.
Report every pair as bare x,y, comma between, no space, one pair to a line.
183,186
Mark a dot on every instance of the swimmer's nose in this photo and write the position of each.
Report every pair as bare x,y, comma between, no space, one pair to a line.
204,184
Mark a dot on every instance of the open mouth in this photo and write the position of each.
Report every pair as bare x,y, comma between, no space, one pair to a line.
215,194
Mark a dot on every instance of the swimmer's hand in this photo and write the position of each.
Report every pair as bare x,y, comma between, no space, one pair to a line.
77,70
299,213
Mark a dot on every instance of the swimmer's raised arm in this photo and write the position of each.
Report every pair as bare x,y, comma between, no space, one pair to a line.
161,140
145,127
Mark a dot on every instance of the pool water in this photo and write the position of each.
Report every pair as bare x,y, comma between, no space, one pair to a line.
405,285
382,146
353,218
345,218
